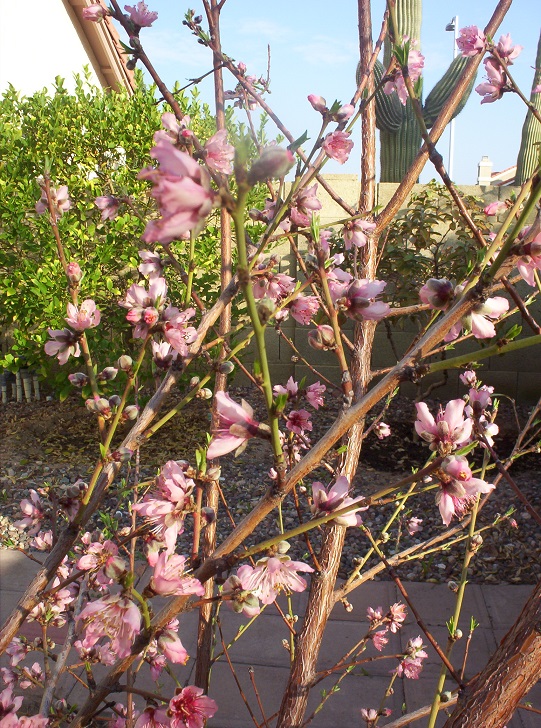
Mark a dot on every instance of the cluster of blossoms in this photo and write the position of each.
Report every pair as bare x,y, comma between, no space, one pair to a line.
270,576
472,41
239,95
530,258
415,62
9,705
445,434
139,15
439,293
59,197
65,342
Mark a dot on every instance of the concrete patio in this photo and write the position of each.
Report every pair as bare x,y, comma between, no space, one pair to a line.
262,652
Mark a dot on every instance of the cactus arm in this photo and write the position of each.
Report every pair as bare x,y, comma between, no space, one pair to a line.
442,90
389,110
530,145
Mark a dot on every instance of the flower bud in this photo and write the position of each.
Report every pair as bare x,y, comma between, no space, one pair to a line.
122,455
273,163
283,547
130,412
437,292
107,374
115,400
115,568
214,473
265,308
208,515
99,406
194,381
318,103
125,363
74,272
78,379
343,113
204,393
226,367
446,696
322,338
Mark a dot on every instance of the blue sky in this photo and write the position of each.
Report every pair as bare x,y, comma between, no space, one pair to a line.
314,49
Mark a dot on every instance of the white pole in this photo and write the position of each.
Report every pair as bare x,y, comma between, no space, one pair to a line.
452,123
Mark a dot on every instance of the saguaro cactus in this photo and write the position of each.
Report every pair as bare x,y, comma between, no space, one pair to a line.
530,145
400,135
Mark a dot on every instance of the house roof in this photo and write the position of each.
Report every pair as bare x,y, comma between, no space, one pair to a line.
505,177
102,44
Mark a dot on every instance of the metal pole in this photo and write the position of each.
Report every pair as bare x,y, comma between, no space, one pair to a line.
454,24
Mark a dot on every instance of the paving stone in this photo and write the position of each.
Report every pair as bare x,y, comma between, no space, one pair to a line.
436,603
505,603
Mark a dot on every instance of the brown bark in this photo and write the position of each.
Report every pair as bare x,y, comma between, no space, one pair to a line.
205,627
321,597
491,698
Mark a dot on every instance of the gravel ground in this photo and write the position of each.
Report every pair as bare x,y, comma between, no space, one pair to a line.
52,442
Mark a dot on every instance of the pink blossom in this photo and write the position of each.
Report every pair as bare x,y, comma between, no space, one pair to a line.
242,600
273,163
458,488
492,89
318,103
314,394
166,506
537,89
95,13
469,378
413,525
299,421
33,721
480,398
448,430
530,262
369,716
169,578
437,293
397,614
379,640
85,317
113,616
152,265
32,510
338,145
176,332
471,41
416,62
412,662
354,233
303,205
303,308
494,208
190,708
235,426
479,320
163,355
140,15
168,642
103,558
173,129
291,389
144,307
9,705
382,430
108,205
272,574
359,300
182,191
219,154
333,498
273,285
153,717
60,199
506,50
17,651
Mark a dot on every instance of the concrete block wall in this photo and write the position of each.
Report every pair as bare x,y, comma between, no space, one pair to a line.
516,375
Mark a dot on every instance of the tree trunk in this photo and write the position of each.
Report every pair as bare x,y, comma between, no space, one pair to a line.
492,696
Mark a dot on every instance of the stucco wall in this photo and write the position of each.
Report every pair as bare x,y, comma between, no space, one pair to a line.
516,375
37,43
